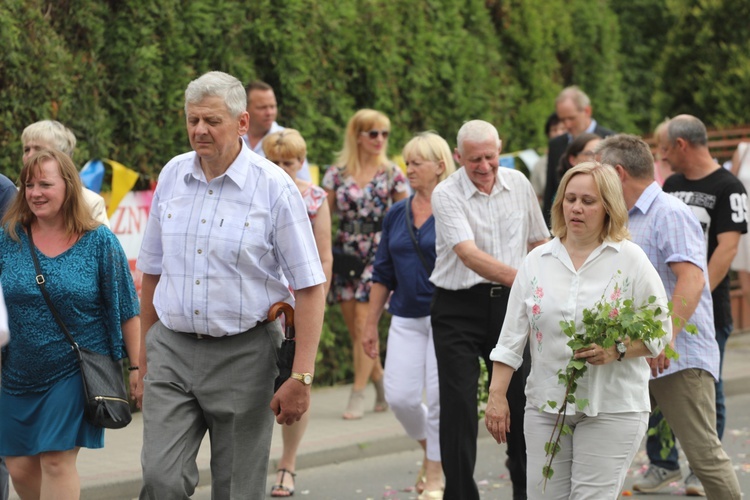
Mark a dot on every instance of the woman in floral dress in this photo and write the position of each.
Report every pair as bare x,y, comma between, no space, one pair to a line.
361,187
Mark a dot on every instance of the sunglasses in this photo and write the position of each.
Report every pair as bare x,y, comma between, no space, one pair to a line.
373,134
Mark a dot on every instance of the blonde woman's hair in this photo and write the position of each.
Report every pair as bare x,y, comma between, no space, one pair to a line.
363,120
431,147
76,212
53,134
287,143
610,190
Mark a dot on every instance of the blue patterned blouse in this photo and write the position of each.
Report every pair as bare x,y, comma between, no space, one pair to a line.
90,285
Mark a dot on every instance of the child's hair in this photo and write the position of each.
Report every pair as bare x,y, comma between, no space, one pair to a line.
287,143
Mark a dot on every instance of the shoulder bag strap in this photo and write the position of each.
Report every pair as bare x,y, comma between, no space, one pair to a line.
414,238
40,281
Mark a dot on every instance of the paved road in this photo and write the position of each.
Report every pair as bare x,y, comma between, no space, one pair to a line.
391,476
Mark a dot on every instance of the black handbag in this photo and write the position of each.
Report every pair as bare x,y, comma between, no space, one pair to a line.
347,266
288,345
106,400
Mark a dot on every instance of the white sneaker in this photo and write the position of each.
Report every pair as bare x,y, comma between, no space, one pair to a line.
656,478
693,486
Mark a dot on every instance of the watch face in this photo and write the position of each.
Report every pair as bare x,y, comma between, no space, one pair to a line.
307,379
621,347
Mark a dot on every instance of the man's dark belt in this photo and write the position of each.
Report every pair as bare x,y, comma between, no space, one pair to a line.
491,289
200,336
366,226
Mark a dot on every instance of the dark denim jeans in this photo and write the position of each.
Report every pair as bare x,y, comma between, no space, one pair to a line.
722,334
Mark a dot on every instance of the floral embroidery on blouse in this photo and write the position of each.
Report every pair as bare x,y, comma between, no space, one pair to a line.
536,313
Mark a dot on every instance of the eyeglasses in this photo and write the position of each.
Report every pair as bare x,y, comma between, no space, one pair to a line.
373,134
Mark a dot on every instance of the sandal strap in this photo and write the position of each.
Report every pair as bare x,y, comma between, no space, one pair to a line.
286,471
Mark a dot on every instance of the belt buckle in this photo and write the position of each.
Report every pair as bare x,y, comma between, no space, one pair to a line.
496,291
199,336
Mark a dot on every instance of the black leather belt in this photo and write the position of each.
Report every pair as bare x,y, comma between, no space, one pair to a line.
200,336
491,289
367,226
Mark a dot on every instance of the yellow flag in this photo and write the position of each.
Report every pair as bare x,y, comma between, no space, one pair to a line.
123,180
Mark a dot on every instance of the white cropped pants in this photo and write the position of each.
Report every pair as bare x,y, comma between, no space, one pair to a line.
411,370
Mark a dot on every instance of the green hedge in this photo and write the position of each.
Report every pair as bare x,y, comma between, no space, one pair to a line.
115,71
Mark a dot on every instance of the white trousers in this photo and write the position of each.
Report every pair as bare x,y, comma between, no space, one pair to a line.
410,370
592,463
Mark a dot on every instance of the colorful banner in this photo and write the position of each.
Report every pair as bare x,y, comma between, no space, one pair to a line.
92,175
123,180
129,225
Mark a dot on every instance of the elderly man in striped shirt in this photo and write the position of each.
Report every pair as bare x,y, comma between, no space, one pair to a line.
486,220
226,228
671,235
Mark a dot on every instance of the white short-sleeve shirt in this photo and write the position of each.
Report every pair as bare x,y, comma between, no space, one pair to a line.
224,248
502,224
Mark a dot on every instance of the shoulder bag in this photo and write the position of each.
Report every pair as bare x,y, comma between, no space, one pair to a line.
106,402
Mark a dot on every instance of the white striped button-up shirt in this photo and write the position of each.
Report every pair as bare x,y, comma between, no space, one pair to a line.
502,224
224,248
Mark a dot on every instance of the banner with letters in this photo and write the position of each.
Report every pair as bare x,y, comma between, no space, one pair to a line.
129,224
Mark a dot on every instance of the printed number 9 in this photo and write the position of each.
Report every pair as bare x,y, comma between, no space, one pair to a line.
738,203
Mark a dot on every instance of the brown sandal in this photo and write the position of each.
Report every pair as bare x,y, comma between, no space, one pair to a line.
281,491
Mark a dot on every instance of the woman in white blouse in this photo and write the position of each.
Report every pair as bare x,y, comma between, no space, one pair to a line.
556,282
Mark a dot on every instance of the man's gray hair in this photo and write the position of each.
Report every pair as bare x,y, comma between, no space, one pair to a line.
476,131
628,151
218,84
575,94
689,128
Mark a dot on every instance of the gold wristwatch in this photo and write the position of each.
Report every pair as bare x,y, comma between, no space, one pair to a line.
305,378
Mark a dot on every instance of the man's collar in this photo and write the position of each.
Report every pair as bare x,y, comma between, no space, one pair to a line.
237,171
470,189
592,127
646,199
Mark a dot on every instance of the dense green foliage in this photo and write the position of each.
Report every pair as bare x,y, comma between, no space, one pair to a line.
115,71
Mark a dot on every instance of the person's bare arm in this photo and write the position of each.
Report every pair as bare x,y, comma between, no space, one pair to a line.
721,259
331,197
378,298
292,399
685,299
484,264
131,336
148,318
322,233
497,413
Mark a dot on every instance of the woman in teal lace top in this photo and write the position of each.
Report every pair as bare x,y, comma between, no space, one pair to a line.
87,275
